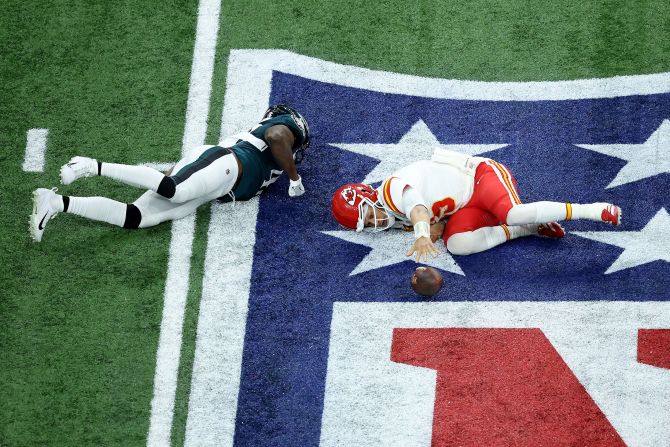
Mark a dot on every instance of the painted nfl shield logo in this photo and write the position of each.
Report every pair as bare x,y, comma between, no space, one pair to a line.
309,334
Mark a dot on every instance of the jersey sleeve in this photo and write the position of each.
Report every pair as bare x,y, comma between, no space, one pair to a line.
399,196
411,198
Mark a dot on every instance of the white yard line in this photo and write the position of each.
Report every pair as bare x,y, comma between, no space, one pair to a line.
231,237
169,343
179,264
36,147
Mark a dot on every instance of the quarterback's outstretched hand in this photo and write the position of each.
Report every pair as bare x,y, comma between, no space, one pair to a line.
423,247
295,188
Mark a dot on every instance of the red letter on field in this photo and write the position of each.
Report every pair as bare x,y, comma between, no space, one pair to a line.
653,347
501,387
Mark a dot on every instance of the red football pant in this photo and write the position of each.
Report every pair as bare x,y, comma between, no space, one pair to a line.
495,193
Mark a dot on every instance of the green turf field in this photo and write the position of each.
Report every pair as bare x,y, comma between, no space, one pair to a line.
80,312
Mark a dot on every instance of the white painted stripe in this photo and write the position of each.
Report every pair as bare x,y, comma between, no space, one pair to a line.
259,62
202,72
36,147
169,343
223,310
177,281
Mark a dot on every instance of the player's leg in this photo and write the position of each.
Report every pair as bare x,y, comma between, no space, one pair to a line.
472,230
148,210
139,176
198,159
213,173
497,192
154,209
537,212
47,204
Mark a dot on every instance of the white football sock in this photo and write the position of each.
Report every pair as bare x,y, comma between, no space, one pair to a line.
139,176
484,238
590,211
57,203
98,208
543,212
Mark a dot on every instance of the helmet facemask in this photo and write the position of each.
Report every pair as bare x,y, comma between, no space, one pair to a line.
380,224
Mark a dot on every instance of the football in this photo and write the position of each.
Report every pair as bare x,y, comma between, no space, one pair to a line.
426,281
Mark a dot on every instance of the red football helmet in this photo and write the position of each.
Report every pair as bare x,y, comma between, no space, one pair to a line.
350,203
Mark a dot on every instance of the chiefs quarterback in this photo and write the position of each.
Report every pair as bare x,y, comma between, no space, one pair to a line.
472,203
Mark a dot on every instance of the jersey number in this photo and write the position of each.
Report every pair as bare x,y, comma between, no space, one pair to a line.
443,208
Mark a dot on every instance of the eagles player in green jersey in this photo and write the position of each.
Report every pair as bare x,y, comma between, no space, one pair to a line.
238,168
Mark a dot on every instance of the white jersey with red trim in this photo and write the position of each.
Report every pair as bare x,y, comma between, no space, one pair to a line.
442,188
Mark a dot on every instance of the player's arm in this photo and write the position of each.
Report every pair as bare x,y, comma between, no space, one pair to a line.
280,139
423,245
420,218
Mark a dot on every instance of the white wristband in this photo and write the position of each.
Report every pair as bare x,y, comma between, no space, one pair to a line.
295,182
421,229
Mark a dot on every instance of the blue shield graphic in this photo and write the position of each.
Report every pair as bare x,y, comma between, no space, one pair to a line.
592,149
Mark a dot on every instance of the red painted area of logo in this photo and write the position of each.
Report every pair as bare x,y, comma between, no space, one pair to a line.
501,387
653,347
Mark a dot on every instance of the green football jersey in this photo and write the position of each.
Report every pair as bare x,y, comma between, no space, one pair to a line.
259,168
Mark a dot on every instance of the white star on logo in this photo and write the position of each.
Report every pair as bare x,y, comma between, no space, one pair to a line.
417,144
389,248
644,160
652,243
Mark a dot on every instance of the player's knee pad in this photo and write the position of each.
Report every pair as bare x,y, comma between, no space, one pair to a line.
167,187
133,217
460,243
